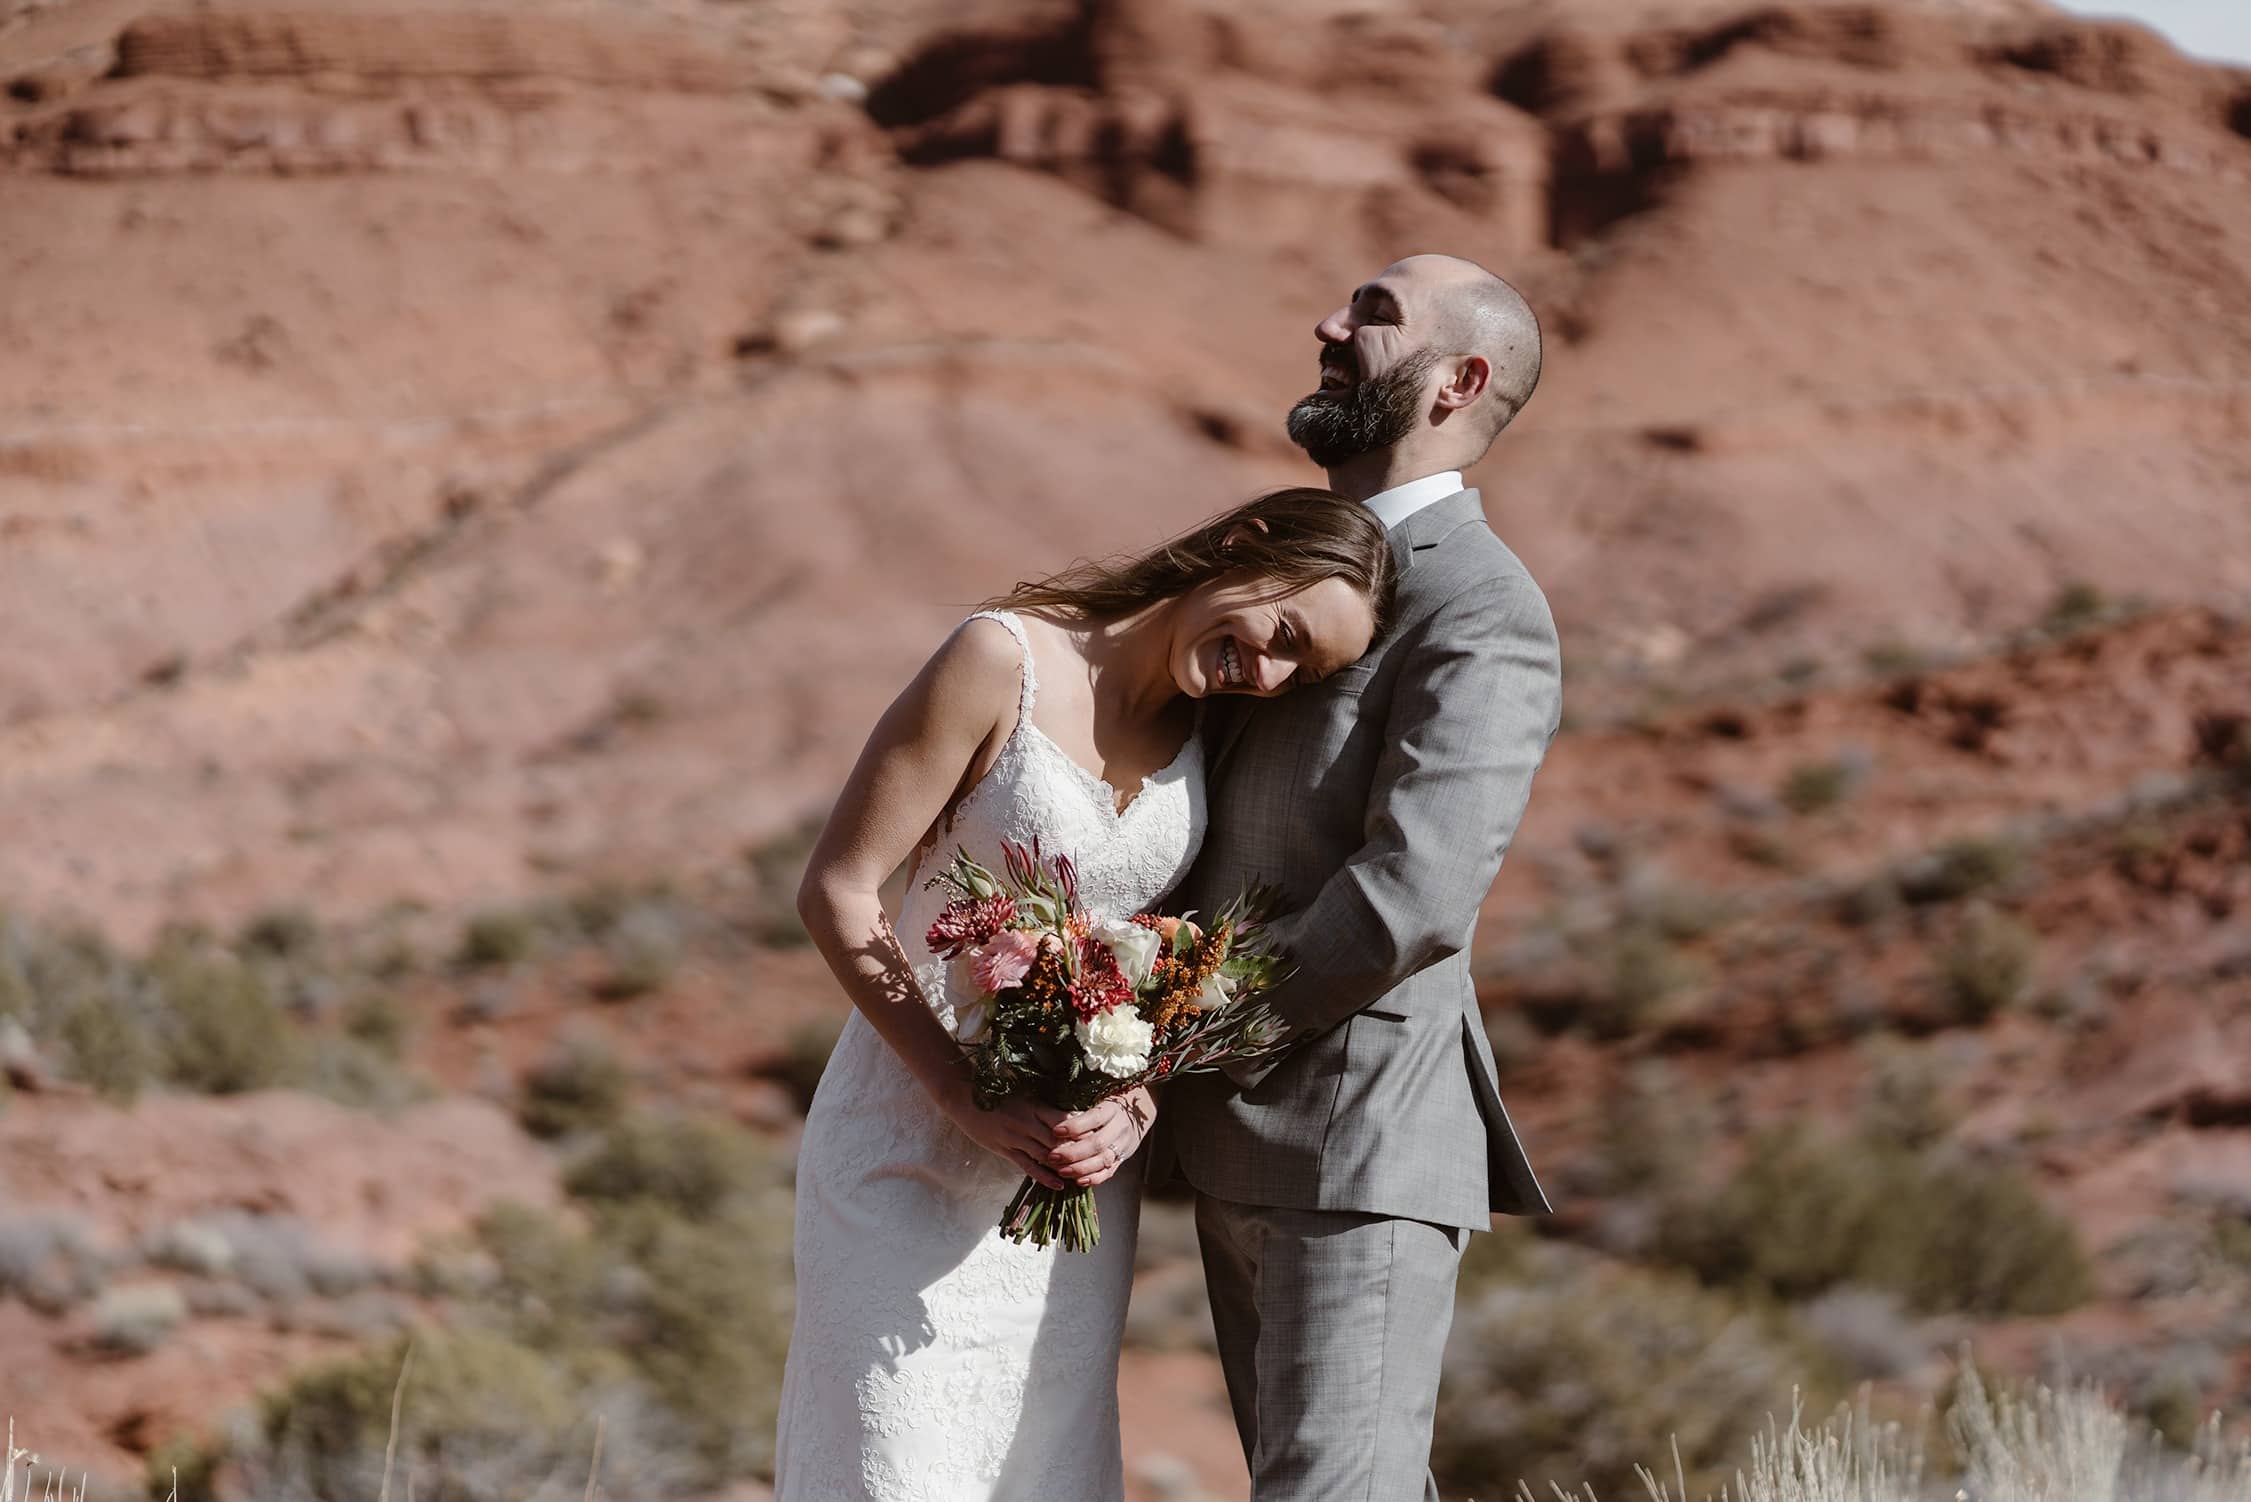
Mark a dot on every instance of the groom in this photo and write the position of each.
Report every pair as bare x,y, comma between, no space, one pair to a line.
1336,1188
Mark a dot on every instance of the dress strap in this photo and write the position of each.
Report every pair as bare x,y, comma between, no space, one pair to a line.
1023,644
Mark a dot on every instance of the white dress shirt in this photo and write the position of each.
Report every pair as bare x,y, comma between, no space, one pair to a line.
1395,505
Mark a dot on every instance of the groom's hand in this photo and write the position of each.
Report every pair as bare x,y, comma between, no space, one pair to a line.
1094,1144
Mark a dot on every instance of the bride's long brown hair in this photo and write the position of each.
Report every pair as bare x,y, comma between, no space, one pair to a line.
1295,537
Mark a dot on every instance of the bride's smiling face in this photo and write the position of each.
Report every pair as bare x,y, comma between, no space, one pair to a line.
1246,634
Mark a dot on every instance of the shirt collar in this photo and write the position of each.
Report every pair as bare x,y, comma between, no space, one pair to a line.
1395,505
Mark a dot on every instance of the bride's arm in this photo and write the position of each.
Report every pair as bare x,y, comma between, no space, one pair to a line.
963,701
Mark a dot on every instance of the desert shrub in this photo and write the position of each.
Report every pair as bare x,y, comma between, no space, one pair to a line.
354,1073
694,1311
1986,966
482,1418
1636,969
710,1319
106,1043
276,1256
223,1034
1960,868
1583,1373
287,933
1867,1332
134,1318
641,953
1887,659
805,1058
2074,607
496,939
378,1020
579,1087
1946,1231
695,1167
49,1262
777,866
1816,785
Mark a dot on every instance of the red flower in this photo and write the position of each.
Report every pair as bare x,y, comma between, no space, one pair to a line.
965,923
1100,985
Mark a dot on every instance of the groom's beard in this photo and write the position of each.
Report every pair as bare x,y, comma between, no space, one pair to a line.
1374,413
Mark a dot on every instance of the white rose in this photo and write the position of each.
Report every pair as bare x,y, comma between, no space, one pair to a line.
1117,1042
1136,948
965,999
1217,992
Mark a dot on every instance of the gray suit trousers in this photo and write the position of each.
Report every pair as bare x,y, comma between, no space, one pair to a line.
1331,1325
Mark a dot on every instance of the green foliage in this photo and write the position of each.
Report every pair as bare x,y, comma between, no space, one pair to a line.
641,951
694,1167
1986,966
496,939
1580,1375
1816,785
106,1044
711,1326
287,933
1948,1232
482,1414
223,1033
1888,659
2075,607
777,866
1636,970
580,1087
1961,867
379,1021
806,1057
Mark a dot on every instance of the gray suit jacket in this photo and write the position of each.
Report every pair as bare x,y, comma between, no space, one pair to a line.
1380,801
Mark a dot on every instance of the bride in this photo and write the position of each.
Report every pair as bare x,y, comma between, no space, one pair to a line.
931,1360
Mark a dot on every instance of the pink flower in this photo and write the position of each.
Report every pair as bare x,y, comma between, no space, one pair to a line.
1005,961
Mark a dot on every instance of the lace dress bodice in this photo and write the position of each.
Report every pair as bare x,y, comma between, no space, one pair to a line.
1036,791
931,1360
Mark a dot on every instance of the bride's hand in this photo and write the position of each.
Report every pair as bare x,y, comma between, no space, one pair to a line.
1017,1129
1095,1143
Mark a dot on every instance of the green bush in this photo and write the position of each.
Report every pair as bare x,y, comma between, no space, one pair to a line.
641,951
2075,607
492,940
580,1087
1960,868
1948,1232
223,1033
481,1417
1816,785
287,933
379,1021
805,1059
1985,968
695,1167
1580,1375
106,1044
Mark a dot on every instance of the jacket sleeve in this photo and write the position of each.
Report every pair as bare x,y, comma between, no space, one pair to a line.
1473,712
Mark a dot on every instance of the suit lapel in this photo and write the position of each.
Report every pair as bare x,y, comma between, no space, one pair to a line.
1417,535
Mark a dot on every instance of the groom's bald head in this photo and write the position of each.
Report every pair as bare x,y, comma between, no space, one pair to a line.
1426,362
1482,315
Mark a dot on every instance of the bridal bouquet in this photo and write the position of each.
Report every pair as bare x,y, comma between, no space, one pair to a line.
1073,1007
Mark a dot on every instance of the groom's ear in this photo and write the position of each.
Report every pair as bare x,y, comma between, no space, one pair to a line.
1468,382
1242,532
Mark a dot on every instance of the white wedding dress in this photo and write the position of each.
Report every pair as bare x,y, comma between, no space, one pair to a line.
931,1360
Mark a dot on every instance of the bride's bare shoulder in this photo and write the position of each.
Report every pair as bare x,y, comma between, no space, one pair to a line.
978,667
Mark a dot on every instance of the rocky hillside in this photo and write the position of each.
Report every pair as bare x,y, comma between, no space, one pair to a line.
444,448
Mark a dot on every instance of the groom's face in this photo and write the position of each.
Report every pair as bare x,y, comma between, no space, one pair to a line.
1375,373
